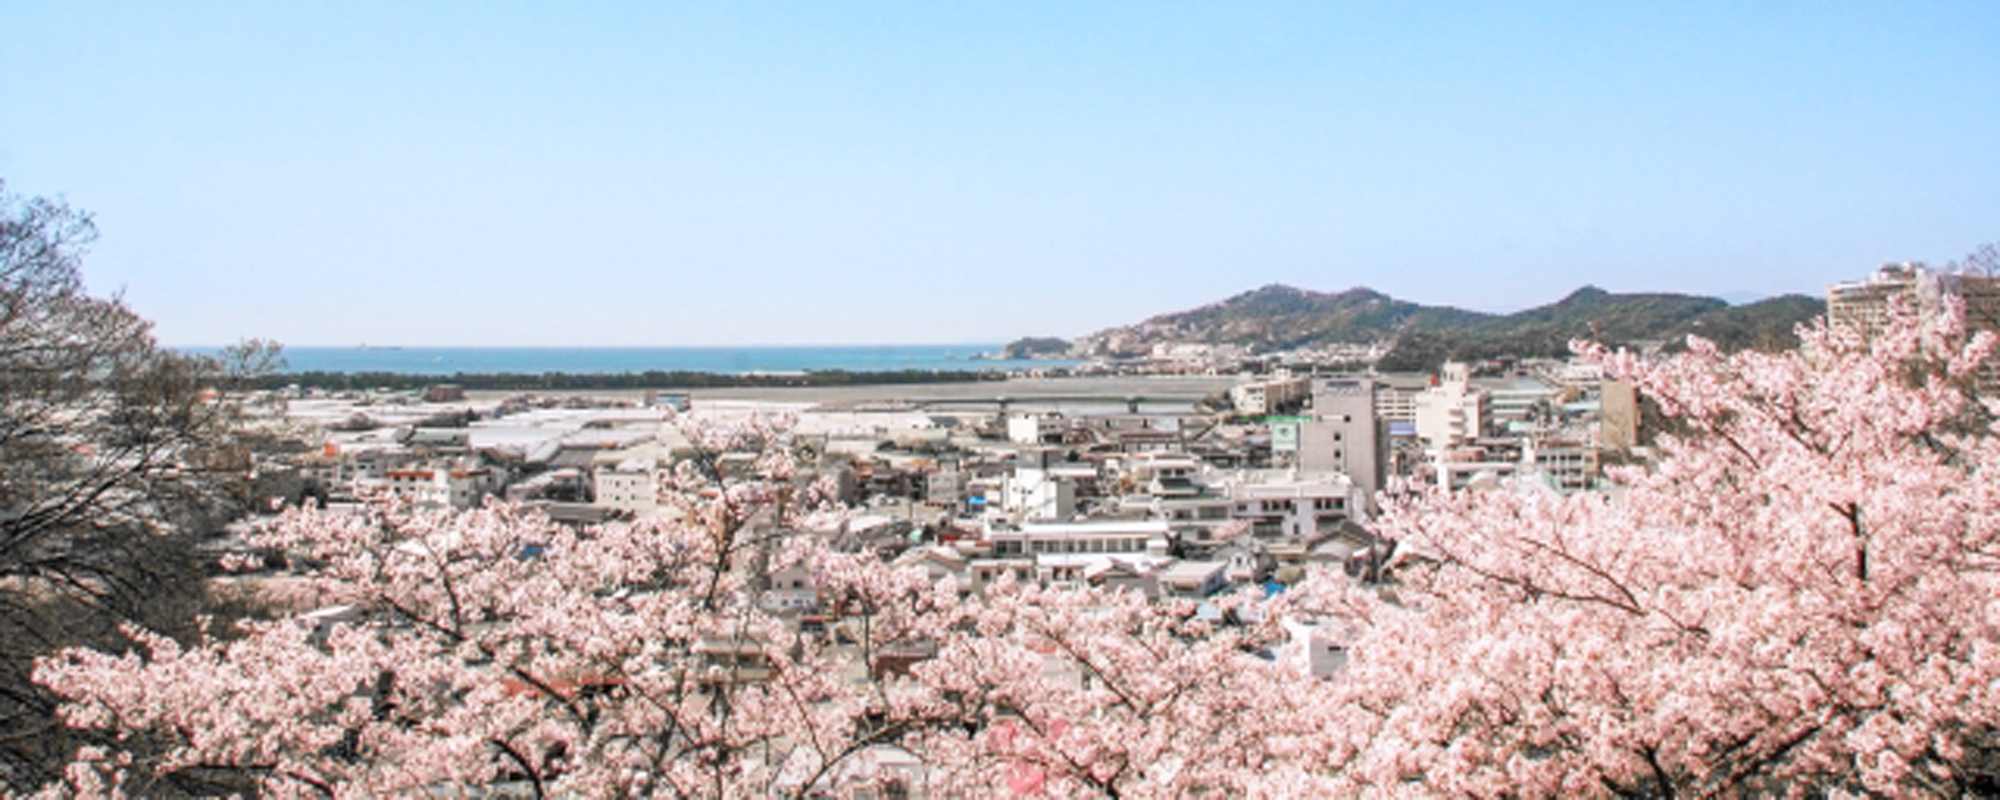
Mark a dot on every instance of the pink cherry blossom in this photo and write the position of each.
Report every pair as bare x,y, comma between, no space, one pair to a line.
1798,593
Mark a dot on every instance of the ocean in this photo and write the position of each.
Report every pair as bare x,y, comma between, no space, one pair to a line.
583,360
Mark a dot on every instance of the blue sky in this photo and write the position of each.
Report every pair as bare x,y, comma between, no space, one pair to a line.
625,174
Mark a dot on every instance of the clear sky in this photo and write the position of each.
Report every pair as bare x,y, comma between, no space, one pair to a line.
937,172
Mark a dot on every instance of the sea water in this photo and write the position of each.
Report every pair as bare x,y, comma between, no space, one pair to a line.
582,360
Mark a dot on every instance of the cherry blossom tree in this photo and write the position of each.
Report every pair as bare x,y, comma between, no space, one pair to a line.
466,649
1797,595
1094,692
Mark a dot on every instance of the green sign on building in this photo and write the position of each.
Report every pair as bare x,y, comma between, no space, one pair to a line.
1285,437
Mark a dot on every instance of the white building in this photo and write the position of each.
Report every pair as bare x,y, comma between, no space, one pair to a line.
1036,428
937,561
1033,493
1452,412
790,590
1136,570
1291,505
982,572
372,463
1865,304
1194,579
1578,372
1466,468
1568,465
1096,536
1268,396
1516,400
1129,574
1314,649
442,487
1164,474
1396,397
1198,352
628,486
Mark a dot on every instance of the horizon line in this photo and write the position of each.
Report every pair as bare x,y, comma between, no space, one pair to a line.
773,345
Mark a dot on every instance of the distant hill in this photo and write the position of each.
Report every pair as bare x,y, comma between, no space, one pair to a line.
1765,325
1278,317
1035,347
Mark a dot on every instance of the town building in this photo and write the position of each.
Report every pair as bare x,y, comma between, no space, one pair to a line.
1036,429
442,486
628,486
1517,403
1315,648
1568,464
944,485
444,393
1618,415
1466,467
1194,579
1865,304
1032,493
1095,536
1284,504
1343,434
1396,396
1452,412
1270,396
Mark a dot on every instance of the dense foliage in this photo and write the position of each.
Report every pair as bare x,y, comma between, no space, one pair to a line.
1799,595
1600,316
115,456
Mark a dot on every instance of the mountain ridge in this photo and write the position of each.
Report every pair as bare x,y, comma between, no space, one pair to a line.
1279,316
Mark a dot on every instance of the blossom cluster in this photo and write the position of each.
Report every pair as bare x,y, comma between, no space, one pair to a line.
1798,593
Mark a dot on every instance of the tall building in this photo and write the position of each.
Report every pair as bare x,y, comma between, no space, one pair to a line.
1344,435
1452,412
1864,304
1618,416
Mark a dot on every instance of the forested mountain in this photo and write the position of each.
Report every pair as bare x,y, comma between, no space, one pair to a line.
1282,317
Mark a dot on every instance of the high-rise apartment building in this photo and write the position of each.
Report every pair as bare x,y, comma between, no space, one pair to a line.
1865,304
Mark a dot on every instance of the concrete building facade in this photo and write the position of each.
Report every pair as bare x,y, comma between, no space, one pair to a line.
628,486
1344,435
1618,416
1452,412
1865,304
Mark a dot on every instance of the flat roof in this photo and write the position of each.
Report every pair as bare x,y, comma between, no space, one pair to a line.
1111,527
1190,571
